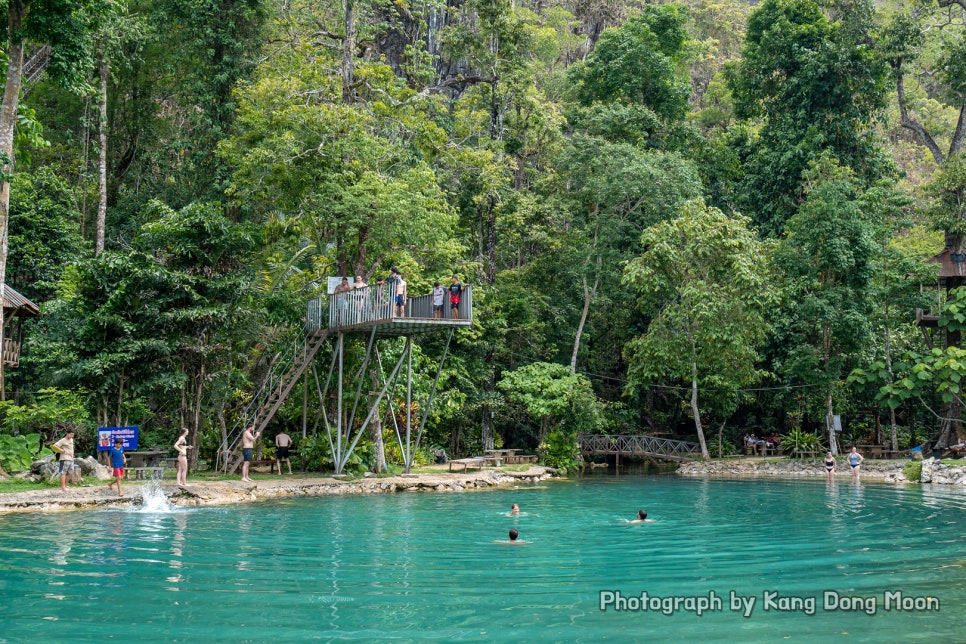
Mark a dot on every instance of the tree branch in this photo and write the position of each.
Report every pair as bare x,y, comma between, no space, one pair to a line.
424,93
910,123
960,134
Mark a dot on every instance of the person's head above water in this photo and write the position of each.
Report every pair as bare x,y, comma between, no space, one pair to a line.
514,534
515,509
641,514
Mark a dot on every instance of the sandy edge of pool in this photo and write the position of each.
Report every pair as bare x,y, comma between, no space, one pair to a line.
203,493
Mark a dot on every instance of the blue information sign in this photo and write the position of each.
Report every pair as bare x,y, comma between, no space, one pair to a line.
106,436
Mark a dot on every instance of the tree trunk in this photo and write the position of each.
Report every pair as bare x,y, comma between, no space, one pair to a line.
697,414
888,360
588,297
375,428
489,239
223,427
348,53
895,430
105,72
195,423
487,439
8,122
830,423
721,439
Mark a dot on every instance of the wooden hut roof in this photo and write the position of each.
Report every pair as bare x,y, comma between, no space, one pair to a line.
952,266
14,301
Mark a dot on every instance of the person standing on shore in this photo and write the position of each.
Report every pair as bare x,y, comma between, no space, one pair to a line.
65,447
118,463
249,436
855,460
283,442
829,467
181,447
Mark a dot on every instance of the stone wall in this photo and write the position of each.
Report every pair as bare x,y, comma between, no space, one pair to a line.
791,468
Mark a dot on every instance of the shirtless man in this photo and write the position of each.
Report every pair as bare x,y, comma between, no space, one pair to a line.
400,295
282,444
249,436
641,518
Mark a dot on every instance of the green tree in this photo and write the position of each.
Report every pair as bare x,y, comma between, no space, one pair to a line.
828,260
810,73
703,277
639,63
563,403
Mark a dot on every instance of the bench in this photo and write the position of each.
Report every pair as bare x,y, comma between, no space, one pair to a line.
477,462
263,462
520,458
141,472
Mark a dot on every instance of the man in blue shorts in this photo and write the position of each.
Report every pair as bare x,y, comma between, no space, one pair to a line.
249,436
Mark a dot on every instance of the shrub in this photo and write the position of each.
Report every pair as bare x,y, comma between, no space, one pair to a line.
798,440
913,470
18,452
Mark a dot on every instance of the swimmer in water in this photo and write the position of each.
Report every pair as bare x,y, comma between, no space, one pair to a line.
641,518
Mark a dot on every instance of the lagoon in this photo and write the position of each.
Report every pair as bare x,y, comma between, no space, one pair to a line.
760,560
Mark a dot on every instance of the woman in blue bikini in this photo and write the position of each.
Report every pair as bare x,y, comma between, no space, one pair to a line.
855,459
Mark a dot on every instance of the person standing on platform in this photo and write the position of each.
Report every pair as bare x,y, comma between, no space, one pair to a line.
359,298
181,447
380,299
455,294
249,436
118,463
400,294
65,447
283,442
342,300
438,293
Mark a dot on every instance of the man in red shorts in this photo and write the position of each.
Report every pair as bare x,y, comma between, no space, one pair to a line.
118,462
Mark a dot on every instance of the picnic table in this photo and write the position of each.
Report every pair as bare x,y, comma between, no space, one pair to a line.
143,462
500,455
873,451
476,461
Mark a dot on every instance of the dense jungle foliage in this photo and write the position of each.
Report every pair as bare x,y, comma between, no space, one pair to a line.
709,217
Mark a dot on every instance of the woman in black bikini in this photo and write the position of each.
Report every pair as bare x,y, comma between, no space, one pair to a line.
829,466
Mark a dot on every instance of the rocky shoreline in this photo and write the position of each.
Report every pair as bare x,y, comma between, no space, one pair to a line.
933,471
204,493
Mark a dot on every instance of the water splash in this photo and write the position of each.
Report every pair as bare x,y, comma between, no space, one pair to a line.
153,499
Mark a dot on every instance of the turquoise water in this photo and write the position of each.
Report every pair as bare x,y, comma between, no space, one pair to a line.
412,566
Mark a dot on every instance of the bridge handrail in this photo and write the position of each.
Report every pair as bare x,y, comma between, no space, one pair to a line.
636,443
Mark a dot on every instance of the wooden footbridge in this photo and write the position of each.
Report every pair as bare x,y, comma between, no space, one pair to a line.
666,449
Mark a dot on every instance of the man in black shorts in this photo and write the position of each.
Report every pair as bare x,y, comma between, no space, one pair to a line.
283,442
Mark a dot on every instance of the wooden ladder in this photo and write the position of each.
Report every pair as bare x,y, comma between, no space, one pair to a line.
279,391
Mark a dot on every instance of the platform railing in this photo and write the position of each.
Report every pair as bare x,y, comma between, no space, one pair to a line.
372,304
